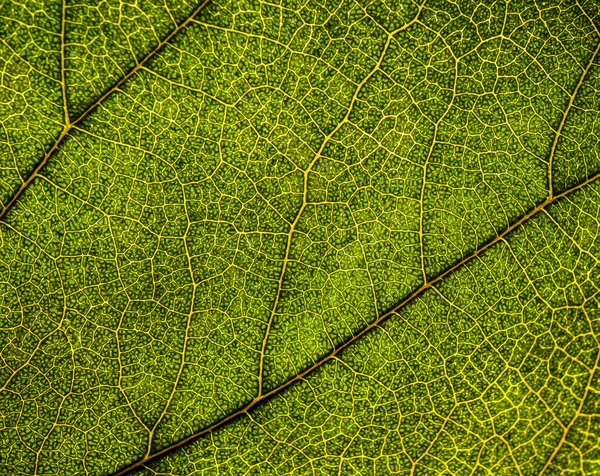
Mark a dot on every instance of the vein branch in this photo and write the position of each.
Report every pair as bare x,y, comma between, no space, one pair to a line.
306,173
561,125
375,324
63,83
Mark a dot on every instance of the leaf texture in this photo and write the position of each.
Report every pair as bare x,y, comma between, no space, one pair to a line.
300,237
493,370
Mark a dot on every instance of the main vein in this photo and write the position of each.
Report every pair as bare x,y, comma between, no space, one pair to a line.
262,396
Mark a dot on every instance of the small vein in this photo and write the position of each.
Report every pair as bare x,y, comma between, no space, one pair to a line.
63,82
305,189
563,120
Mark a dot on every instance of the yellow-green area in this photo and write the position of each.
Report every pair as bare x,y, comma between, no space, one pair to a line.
299,237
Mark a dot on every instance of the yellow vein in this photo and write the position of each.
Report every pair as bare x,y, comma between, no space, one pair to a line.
63,82
305,189
579,410
564,118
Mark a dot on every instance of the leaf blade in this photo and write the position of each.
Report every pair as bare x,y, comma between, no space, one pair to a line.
164,221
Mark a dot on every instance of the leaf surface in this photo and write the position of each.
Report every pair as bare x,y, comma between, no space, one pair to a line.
313,237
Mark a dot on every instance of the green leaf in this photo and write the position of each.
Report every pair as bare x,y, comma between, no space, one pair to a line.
307,237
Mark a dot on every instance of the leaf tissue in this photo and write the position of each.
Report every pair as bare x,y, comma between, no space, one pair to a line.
299,237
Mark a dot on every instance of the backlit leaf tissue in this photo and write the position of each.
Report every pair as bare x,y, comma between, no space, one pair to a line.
299,237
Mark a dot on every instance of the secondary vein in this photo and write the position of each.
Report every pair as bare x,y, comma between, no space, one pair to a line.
314,160
69,125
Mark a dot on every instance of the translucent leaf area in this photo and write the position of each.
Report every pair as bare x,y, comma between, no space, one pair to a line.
299,237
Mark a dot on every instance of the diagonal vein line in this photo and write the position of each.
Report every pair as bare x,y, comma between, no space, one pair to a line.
563,119
551,198
335,352
63,82
69,125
